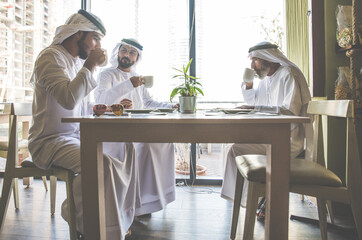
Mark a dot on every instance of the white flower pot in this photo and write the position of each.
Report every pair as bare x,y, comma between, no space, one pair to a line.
187,104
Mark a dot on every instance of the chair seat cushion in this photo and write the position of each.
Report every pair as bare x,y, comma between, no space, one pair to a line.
253,168
28,162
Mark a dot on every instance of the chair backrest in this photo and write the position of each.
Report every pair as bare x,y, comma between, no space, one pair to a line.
20,109
15,113
23,109
341,109
6,109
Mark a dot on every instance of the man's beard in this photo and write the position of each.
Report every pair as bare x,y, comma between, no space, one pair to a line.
82,48
125,62
263,71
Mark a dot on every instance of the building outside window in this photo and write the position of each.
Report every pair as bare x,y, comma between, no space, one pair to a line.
26,27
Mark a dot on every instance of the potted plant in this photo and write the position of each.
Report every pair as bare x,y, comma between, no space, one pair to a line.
188,90
182,163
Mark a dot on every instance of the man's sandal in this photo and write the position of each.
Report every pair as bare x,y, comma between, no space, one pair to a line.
128,234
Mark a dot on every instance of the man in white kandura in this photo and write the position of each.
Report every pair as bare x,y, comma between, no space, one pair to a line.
121,84
282,89
62,82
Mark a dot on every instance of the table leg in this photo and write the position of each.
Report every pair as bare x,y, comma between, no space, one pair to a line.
277,186
92,186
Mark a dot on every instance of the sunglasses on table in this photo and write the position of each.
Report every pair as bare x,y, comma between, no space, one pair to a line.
100,109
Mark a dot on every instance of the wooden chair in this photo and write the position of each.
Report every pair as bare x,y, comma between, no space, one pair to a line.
22,147
308,177
16,112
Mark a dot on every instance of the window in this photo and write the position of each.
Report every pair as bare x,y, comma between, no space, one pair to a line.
26,27
161,26
224,32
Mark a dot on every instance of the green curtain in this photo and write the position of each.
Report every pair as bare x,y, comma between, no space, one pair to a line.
297,34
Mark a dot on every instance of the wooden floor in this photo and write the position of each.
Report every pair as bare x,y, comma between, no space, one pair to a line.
198,213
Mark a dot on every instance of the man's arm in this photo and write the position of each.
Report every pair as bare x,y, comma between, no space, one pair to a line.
249,94
51,73
150,103
107,92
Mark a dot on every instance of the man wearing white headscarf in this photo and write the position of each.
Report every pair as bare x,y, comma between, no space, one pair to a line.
121,84
282,90
62,82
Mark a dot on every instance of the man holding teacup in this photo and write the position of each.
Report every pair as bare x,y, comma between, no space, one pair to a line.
121,84
62,80
282,90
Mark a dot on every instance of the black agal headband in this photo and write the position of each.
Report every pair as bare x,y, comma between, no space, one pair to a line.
262,46
132,43
91,18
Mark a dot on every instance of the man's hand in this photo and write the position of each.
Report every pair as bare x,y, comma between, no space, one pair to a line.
248,85
95,58
177,106
136,81
127,104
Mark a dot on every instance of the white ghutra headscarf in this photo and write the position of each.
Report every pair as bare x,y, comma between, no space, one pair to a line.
270,52
129,42
81,21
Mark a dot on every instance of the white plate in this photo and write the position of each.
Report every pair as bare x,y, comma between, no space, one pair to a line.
168,110
236,110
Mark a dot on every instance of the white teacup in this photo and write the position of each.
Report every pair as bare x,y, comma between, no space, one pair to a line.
147,81
248,75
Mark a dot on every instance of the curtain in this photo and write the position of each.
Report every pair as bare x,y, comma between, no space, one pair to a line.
297,34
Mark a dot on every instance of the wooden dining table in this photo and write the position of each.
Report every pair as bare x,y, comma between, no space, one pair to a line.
201,127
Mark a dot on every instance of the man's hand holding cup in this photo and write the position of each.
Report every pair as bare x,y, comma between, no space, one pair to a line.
248,77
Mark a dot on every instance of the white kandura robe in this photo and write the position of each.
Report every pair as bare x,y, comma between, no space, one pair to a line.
155,160
279,93
61,88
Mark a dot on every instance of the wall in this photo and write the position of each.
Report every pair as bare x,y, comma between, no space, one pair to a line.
334,59
336,150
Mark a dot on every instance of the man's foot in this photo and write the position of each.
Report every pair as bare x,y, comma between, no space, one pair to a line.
80,236
260,212
128,234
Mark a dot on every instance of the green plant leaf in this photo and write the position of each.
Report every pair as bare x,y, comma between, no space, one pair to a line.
200,91
178,70
188,65
175,76
189,86
193,77
174,92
